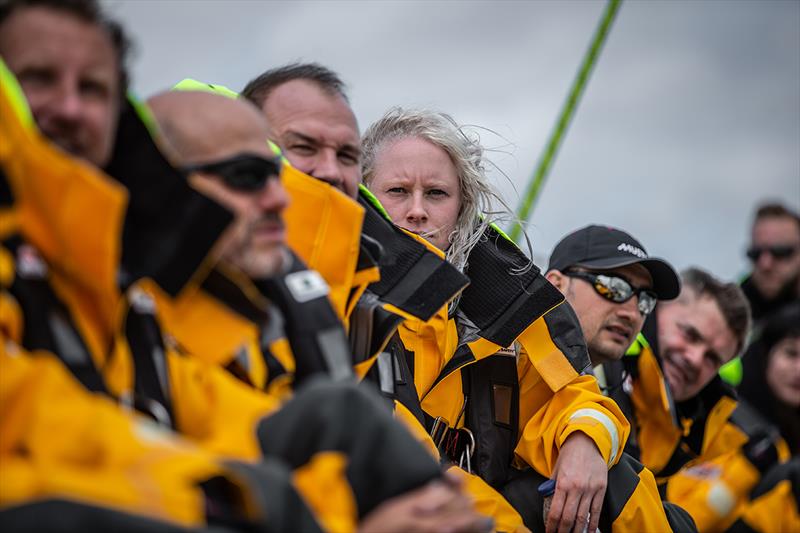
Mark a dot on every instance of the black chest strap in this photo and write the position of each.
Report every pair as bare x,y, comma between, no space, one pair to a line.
48,324
314,331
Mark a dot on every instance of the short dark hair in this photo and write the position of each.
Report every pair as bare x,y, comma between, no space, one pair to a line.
729,297
259,88
775,210
87,11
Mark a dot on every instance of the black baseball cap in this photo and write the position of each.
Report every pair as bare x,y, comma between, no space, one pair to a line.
603,247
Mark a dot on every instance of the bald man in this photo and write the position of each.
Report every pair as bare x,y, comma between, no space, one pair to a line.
222,143
225,148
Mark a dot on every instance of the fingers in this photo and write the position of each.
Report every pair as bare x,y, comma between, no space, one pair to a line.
569,515
436,496
583,512
556,510
597,507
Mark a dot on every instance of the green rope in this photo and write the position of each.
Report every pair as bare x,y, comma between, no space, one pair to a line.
567,111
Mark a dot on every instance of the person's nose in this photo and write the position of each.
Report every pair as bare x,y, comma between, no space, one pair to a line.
66,103
273,196
416,210
328,169
765,261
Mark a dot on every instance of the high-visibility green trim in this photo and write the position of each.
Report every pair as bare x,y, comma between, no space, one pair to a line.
18,101
371,198
145,115
639,344
189,84
732,372
502,233
564,118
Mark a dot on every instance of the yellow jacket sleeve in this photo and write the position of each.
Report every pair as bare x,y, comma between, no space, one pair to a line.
556,401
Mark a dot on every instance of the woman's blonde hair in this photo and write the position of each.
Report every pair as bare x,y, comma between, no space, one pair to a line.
480,204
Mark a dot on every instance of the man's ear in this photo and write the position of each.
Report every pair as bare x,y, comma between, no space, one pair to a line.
558,279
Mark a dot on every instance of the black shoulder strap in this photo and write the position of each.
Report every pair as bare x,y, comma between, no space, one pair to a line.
500,301
151,389
491,390
413,278
316,335
48,324
618,380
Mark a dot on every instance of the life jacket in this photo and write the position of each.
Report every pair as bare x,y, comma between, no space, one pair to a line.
717,492
670,435
512,348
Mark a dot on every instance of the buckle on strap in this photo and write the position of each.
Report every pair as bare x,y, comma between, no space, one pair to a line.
458,445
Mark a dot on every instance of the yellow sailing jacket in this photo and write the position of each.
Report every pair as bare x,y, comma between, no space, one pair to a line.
666,439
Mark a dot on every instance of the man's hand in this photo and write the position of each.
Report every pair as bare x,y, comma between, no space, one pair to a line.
581,478
439,507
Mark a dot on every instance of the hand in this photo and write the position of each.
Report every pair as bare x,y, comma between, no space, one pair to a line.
439,507
581,478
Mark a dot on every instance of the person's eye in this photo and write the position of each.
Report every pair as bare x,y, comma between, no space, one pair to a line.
347,158
438,193
396,190
302,149
38,76
94,88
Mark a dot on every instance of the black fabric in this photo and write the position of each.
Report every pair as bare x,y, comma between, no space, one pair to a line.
679,519
369,253
151,382
761,447
790,470
413,278
63,516
463,356
566,333
500,302
314,331
623,478
49,326
267,484
371,326
169,228
383,459
230,293
761,308
6,195
521,492
495,441
616,373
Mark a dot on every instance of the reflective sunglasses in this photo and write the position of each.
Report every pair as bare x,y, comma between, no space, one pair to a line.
778,252
242,172
617,289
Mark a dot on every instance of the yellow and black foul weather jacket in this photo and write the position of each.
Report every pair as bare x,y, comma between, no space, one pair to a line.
504,381
667,436
716,493
70,456
774,503
82,297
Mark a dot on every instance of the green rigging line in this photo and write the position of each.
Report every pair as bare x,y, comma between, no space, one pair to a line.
567,111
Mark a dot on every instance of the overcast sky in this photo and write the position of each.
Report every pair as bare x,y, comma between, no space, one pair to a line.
691,116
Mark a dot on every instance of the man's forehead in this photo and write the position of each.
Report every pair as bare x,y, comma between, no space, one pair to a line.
772,228
301,105
38,33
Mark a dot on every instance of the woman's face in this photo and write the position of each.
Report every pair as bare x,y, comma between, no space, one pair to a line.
783,371
417,183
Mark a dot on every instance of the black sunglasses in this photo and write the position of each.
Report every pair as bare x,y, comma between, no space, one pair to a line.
242,172
778,252
617,289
